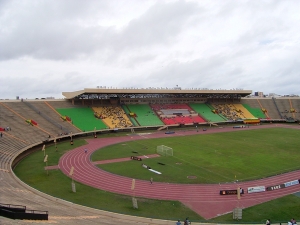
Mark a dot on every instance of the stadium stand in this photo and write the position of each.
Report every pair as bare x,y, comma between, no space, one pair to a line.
112,116
172,114
14,116
144,115
227,111
296,106
207,113
83,118
287,110
131,118
255,107
45,110
256,112
243,111
271,107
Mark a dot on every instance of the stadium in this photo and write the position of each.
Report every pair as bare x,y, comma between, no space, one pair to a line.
150,124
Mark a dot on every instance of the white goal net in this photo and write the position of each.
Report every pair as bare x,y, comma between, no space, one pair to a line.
164,150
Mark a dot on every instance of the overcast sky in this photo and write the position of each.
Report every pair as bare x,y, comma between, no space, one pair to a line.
48,47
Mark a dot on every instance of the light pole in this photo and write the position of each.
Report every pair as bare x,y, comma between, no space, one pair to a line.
55,144
44,149
72,184
46,161
71,136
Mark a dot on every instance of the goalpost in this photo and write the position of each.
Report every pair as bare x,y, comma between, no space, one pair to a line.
164,150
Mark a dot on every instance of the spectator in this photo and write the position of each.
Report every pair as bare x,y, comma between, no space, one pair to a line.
241,191
268,222
1,134
178,222
187,222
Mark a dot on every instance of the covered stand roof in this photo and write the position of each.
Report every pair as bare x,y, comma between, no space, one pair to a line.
177,92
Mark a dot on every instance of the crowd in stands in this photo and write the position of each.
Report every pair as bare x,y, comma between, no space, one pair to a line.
229,111
113,115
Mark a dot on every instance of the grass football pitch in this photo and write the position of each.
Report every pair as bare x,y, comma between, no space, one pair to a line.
210,158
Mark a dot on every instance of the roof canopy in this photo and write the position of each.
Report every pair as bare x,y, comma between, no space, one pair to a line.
104,93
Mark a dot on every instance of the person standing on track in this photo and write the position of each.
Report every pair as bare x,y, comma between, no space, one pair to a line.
85,150
151,180
187,222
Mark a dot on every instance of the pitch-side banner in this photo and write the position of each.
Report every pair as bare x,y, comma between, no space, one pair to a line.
256,189
291,183
228,192
275,187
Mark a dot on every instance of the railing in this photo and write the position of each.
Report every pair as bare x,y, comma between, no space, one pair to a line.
20,212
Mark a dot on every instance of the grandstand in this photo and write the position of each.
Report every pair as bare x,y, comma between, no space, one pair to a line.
112,116
208,112
126,109
177,114
143,115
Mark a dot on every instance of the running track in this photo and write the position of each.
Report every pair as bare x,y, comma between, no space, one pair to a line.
204,199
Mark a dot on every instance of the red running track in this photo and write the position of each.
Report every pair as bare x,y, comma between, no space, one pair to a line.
204,199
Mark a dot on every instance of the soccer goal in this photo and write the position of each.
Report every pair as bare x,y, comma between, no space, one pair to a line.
164,150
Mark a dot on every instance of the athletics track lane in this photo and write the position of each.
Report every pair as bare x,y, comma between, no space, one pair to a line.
204,199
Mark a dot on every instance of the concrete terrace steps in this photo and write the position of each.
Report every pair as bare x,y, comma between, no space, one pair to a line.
20,128
27,113
284,107
251,102
54,115
270,107
296,105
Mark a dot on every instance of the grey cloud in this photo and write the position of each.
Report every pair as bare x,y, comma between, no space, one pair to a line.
69,45
55,31
160,24
50,30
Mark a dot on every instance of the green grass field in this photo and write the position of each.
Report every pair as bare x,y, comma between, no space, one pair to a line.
209,157
213,158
